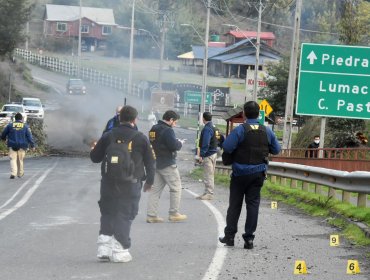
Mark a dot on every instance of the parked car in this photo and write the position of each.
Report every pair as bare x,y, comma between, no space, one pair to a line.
76,86
34,108
8,112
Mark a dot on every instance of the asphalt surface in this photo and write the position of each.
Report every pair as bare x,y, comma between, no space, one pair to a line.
49,222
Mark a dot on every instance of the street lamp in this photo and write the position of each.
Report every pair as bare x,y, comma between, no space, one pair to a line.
256,65
79,42
204,76
151,35
129,83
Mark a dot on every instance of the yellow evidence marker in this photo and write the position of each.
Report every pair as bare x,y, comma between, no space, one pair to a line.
353,267
273,204
334,240
300,267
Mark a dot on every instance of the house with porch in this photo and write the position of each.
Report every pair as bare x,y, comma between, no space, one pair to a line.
231,61
97,24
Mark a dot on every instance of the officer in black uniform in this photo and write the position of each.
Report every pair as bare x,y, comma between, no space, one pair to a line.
247,148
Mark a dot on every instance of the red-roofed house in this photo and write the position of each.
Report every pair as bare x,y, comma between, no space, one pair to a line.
234,36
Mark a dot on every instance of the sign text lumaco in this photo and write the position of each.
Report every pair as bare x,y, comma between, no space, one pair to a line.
334,81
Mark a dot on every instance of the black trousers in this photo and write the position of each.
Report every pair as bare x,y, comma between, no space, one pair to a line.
246,187
119,205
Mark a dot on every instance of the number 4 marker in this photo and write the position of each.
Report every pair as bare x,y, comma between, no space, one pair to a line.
300,267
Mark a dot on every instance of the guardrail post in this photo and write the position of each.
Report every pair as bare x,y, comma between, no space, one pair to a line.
283,181
361,200
346,196
318,189
305,186
293,184
332,193
273,179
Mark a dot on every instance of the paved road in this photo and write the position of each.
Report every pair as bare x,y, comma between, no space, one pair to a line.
49,222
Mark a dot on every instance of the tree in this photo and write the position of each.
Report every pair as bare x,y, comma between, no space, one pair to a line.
277,84
13,16
352,29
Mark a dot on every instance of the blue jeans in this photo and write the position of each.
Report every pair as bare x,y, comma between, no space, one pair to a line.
119,205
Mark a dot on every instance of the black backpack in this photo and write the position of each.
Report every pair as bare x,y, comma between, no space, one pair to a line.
117,163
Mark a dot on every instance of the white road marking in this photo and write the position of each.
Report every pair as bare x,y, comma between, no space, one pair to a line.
28,194
17,192
220,254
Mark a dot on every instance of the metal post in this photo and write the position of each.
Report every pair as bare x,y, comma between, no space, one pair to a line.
287,136
131,47
27,33
256,66
205,63
79,42
163,37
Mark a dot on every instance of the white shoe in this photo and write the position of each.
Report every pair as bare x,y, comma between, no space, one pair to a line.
119,254
104,247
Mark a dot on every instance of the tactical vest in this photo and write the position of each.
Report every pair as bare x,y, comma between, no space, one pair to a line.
214,141
157,141
255,147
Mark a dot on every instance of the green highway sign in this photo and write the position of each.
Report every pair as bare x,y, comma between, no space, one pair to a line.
261,117
334,81
195,97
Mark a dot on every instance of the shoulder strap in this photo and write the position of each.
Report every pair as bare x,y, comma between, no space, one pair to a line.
114,136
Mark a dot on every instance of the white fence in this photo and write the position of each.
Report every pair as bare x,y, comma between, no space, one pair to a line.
71,69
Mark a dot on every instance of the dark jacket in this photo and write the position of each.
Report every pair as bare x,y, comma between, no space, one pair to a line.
113,122
236,138
208,141
142,153
312,153
19,135
165,144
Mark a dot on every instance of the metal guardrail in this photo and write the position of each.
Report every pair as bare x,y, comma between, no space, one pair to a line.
349,182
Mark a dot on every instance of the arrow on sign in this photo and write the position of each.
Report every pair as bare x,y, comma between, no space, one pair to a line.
312,57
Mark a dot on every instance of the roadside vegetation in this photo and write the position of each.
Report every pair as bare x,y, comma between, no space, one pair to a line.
341,215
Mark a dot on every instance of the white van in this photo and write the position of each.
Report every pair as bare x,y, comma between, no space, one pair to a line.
33,107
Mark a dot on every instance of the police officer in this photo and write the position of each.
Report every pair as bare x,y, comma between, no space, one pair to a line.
165,146
19,139
208,155
119,201
113,122
247,148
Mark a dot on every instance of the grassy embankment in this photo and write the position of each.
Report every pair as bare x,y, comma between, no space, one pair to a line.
338,214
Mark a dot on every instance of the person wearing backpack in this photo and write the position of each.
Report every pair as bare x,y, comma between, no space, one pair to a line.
208,143
127,160
247,148
165,145
19,138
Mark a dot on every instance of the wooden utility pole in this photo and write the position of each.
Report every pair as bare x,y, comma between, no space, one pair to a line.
287,136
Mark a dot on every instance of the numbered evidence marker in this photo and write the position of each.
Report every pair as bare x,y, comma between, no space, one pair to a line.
353,267
273,204
334,240
300,267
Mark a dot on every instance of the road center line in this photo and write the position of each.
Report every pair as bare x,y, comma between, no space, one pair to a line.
220,254
28,194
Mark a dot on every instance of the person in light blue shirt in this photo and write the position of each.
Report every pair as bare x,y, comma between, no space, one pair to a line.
247,149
